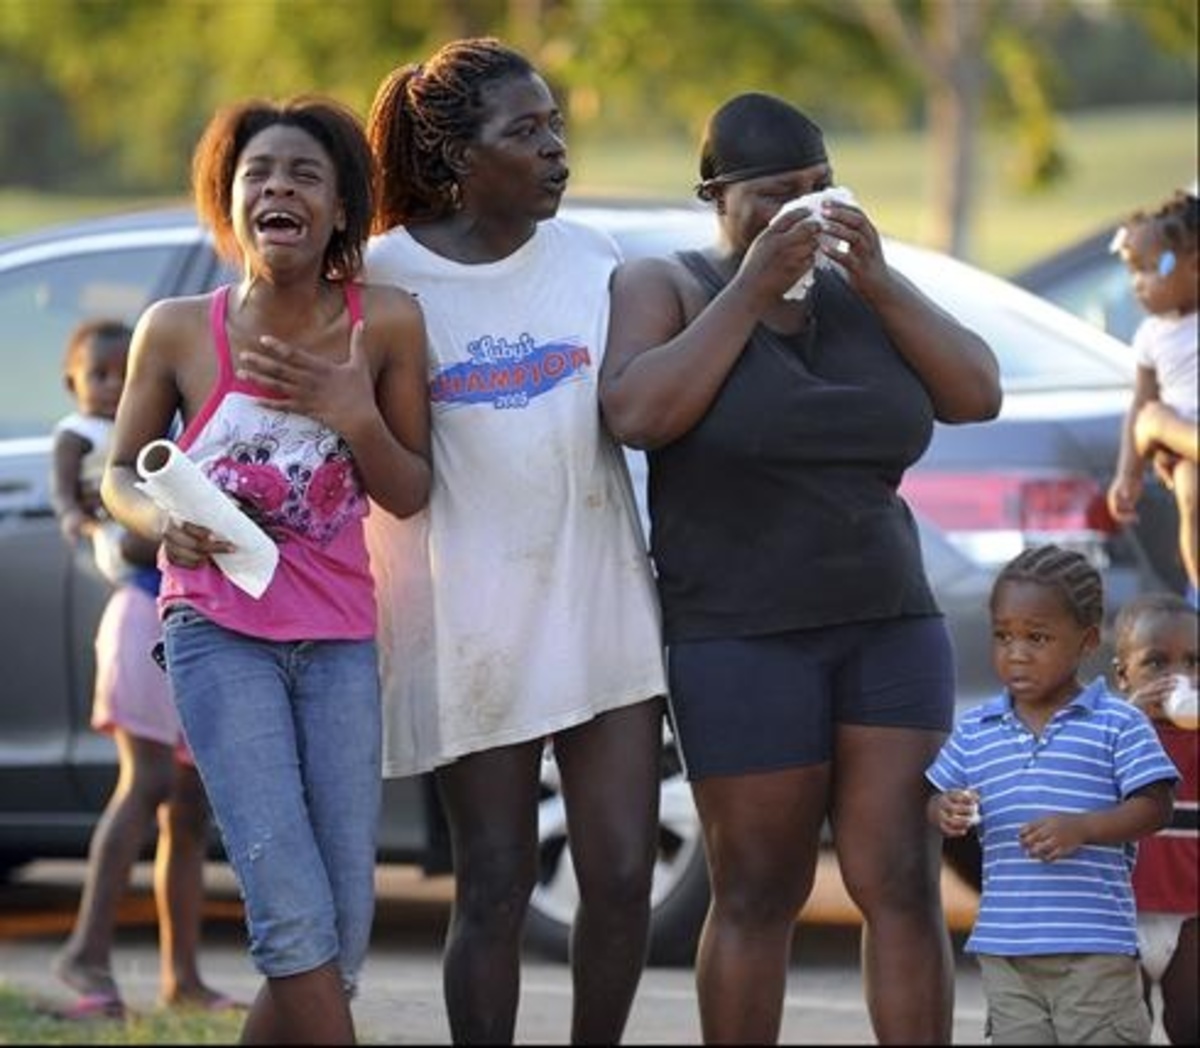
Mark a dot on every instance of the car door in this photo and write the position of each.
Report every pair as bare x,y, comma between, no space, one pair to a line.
51,596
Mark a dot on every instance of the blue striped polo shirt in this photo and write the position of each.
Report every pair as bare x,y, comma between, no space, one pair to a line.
1092,754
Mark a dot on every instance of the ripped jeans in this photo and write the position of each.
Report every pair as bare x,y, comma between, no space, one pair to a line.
286,736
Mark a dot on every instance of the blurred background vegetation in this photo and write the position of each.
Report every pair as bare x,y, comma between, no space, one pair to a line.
993,129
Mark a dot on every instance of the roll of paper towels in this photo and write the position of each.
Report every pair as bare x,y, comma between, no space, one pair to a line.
180,487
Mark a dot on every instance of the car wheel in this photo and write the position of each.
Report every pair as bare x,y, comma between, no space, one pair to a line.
9,864
964,856
679,893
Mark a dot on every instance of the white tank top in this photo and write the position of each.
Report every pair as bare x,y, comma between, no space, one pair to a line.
521,602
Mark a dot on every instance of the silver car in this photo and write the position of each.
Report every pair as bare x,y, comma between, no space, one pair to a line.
1088,278
981,493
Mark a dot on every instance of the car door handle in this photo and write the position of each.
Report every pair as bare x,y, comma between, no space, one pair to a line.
19,496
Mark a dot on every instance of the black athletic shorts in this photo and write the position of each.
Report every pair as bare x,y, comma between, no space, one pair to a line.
747,704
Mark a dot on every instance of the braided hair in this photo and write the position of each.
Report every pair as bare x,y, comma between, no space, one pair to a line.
1070,573
1176,222
417,111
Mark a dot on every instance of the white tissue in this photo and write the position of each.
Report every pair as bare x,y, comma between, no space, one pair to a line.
826,257
180,487
1181,704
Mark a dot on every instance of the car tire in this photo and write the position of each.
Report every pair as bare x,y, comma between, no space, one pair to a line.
964,856
9,864
679,894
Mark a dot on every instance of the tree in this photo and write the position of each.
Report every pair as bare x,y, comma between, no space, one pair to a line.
958,47
141,77
137,79
943,42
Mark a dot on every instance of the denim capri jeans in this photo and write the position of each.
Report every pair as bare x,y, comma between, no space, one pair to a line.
287,739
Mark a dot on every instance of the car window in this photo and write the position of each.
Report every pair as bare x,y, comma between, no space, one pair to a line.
640,232
1033,355
41,302
1101,293
1037,345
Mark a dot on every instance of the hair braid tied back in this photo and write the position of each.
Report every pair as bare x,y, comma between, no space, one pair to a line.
421,108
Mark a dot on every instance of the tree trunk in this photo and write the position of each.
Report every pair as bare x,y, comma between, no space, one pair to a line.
953,113
524,27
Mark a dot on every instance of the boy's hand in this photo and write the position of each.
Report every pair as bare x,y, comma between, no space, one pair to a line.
956,811
1052,837
1149,698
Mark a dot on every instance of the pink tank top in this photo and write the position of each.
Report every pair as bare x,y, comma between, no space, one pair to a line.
301,478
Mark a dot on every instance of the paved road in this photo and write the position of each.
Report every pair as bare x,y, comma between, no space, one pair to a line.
401,996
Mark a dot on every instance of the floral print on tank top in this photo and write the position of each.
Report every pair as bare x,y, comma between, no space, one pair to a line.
292,475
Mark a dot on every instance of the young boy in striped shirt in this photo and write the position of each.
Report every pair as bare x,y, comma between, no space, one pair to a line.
1060,779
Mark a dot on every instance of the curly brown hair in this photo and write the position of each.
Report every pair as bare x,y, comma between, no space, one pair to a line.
338,130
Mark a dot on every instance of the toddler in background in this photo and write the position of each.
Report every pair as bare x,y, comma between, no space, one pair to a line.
1160,249
1062,779
94,375
131,702
1156,642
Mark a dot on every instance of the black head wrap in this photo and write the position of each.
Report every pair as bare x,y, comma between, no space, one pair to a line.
755,134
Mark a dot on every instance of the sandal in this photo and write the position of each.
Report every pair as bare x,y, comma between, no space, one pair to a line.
87,980
90,1006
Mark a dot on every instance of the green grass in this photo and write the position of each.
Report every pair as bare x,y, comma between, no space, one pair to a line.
26,209
23,1022
1119,160
25,1019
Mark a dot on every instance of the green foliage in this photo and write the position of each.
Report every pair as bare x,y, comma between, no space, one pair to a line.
35,128
662,67
1172,24
120,89
1038,161
103,96
885,169
1123,52
25,209
143,77
888,172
